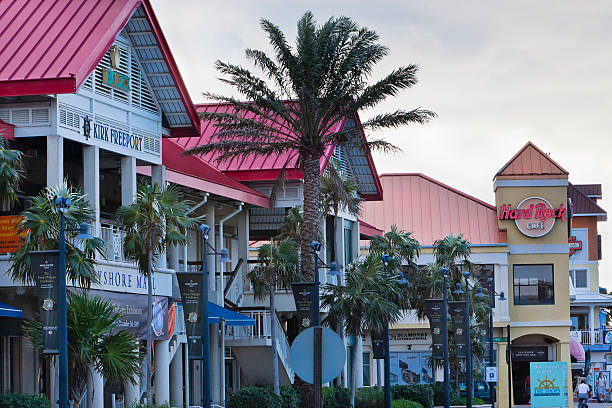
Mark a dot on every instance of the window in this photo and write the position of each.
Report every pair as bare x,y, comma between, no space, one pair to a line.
579,278
482,273
411,368
534,285
366,369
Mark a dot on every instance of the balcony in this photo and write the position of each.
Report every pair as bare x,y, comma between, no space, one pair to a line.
113,236
589,337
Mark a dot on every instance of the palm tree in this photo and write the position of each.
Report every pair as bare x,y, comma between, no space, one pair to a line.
366,301
11,164
40,230
95,343
277,266
290,228
156,219
304,93
401,246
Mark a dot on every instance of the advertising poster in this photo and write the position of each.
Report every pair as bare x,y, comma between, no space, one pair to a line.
457,312
411,368
10,241
191,291
44,267
433,309
548,384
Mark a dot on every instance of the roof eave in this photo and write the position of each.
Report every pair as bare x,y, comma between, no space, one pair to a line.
41,86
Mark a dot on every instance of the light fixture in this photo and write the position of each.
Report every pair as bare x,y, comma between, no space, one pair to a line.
224,256
502,297
115,56
385,259
84,231
401,280
333,269
458,290
479,294
204,229
444,271
316,246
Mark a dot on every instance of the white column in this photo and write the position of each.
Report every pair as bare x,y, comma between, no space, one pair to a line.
95,388
339,246
196,383
55,160
176,377
162,372
158,175
243,247
592,323
359,362
186,378
215,372
131,394
355,238
91,182
222,363
210,221
173,257
128,180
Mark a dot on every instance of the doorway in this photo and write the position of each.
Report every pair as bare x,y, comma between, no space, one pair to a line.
521,380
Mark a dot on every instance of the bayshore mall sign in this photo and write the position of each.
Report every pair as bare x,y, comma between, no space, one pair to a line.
534,216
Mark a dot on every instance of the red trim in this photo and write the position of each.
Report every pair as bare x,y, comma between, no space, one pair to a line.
38,86
184,132
7,130
368,231
263,175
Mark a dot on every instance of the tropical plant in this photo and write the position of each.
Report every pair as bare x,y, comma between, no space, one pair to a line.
369,397
336,397
290,228
254,397
421,393
95,342
16,400
367,300
305,93
39,229
277,266
155,220
11,172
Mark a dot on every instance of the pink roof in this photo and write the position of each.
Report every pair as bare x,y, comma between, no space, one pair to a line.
531,162
367,231
432,210
7,130
50,47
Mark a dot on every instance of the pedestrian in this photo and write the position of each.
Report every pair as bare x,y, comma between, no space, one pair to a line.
601,387
583,394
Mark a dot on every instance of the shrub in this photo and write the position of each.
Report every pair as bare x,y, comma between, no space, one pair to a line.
15,400
290,397
144,405
405,404
438,389
334,397
254,397
462,401
369,397
421,393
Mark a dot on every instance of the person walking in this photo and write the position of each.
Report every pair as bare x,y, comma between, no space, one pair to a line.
601,388
583,394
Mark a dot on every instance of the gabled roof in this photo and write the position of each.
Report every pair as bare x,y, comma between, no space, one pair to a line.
583,206
267,168
432,210
50,47
531,162
590,190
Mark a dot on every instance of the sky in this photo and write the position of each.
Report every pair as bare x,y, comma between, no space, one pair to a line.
498,74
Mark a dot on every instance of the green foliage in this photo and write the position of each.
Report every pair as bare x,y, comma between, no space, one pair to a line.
461,401
369,397
290,396
15,400
145,405
277,265
405,404
255,397
438,389
335,397
40,230
11,172
337,193
421,393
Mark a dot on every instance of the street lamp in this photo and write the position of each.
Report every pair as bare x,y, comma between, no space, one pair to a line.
317,346
224,253
492,294
63,204
445,272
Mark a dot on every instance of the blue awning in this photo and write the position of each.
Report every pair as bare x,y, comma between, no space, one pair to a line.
231,318
10,311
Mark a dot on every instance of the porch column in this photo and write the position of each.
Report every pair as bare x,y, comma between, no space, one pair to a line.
176,377
355,238
215,372
95,388
131,392
173,257
222,364
359,362
243,247
162,372
212,239
91,182
128,180
55,160
339,247
592,324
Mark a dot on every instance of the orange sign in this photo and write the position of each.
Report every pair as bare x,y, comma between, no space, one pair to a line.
9,240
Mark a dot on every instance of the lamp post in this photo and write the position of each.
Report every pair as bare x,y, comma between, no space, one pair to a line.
445,337
204,229
317,347
468,353
492,294
63,204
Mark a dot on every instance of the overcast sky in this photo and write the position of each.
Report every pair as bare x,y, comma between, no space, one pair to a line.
497,73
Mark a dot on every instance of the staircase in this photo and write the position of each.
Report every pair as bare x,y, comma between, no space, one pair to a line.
252,346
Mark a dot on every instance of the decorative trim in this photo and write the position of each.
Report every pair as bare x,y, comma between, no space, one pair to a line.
545,323
530,183
538,249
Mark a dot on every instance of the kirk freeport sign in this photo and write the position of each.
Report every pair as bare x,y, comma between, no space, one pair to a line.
534,216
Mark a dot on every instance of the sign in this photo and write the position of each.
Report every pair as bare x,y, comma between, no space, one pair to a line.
529,354
500,339
127,279
534,216
44,267
333,353
304,296
457,312
190,285
549,384
106,133
608,337
492,374
574,245
115,79
10,241
483,334
378,344
433,309
412,337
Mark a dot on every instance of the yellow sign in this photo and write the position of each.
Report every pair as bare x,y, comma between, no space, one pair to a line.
9,239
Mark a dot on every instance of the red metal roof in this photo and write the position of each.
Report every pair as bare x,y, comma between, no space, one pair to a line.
432,210
531,162
583,206
367,231
7,130
51,46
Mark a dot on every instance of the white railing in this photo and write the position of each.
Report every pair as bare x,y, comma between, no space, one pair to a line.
282,348
591,337
114,237
235,292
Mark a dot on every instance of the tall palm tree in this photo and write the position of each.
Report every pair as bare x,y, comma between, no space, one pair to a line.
277,266
303,94
95,343
403,248
155,220
366,301
39,229
11,172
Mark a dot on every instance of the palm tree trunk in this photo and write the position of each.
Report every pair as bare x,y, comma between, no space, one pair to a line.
354,371
149,365
308,231
273,339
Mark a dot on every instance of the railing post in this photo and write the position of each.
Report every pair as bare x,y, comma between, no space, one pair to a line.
592,335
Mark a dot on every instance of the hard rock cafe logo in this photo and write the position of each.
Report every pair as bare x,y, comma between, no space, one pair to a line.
534,216
574,245
546,388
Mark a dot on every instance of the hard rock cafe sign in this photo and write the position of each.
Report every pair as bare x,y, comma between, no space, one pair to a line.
534,216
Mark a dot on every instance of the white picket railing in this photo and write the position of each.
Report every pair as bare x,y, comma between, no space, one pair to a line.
591,337
113,236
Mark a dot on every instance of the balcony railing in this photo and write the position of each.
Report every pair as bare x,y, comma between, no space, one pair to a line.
591,337
114,237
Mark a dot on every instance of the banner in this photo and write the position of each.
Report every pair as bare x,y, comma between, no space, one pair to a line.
378,344
44,268
433,309
483,336
304,295
190,285
549,384
457,312
10,241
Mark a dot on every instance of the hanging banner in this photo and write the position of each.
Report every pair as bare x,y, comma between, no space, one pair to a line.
44,268
378,344
549,386
483,336
433,309
190,285
304,297
457,312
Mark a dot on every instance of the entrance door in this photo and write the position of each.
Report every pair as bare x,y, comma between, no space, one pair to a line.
521,381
